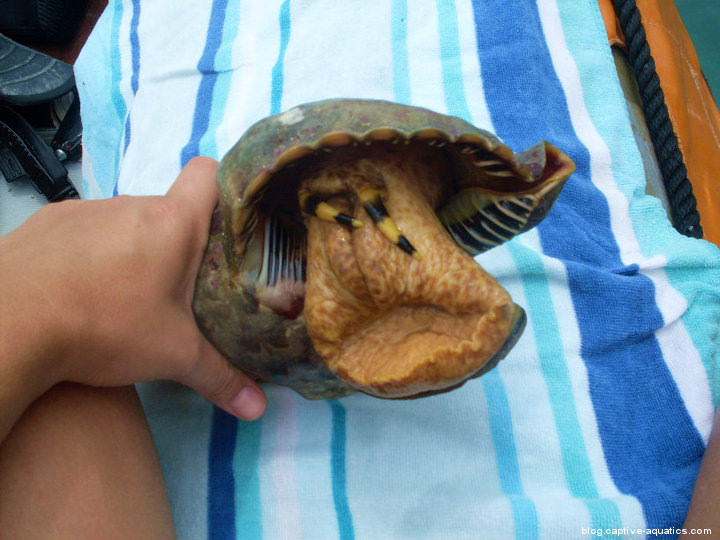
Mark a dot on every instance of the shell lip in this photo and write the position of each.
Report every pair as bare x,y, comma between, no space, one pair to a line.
558,166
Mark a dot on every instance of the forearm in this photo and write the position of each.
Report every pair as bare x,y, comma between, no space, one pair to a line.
81,463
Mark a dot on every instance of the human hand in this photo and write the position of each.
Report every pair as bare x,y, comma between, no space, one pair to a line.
101,291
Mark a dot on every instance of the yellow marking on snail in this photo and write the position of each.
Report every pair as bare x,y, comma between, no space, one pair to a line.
312,205
371,199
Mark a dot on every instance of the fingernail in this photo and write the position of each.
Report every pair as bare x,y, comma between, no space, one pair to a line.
249,404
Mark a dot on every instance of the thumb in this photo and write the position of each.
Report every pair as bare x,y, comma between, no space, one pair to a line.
214,378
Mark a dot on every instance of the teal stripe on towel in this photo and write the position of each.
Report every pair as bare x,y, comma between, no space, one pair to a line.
248,509
523,509
278,76
576,464
401,75
453,82
134,39
116,76
338,465
115,66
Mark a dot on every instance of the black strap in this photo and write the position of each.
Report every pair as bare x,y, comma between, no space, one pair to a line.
27,153
683,205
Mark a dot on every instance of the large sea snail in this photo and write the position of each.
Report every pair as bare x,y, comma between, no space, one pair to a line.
340,255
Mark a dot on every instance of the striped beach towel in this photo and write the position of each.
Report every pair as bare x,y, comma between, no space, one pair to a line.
595,423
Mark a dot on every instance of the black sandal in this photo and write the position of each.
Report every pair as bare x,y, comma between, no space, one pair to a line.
29,77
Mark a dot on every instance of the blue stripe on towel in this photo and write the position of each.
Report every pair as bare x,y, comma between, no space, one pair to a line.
221,480
206,66
135,59
223,64
629,383
338,467
278,77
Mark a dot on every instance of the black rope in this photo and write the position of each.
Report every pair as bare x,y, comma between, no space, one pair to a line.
683,205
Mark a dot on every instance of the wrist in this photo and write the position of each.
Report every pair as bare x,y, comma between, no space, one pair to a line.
30,344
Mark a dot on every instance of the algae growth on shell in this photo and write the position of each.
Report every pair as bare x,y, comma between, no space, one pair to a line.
340,257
